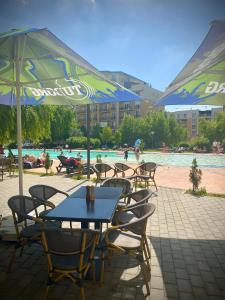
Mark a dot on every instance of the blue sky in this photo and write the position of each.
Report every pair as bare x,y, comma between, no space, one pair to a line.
149,39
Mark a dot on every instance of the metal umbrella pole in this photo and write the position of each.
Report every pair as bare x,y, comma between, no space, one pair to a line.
88,140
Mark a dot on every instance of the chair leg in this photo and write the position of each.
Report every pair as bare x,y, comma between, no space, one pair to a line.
12,260
93,270
46,292
146,256
144,274
146,281
21,251
147,247
102,268
155,185
82,295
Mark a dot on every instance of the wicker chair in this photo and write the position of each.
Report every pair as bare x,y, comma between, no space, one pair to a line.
21,207
102,172
43,193
122,168
130,238
7,165
135,199
125,184
70,253
145,173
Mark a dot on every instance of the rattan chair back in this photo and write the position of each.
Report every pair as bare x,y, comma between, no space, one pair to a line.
139,197
44,192
125,184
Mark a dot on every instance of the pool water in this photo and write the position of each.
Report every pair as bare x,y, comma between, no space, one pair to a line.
173,159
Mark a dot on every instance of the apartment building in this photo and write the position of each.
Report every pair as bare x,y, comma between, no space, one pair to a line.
111,114
189,116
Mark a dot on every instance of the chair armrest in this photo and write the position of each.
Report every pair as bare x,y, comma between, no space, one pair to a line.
49,203
64,193
35,219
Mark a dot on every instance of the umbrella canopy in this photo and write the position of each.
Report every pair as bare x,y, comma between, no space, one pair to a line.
37,68
202,80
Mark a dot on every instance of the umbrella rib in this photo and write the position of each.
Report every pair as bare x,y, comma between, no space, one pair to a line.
7,81
42,80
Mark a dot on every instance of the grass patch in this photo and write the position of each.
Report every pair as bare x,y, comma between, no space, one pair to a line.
78,177
32,173
202,192
48,174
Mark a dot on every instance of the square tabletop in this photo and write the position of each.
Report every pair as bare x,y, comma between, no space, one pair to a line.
76,208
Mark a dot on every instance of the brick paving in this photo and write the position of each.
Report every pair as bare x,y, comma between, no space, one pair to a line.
187,240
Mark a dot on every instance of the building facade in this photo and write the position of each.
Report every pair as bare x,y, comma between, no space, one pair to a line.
189,118
111,114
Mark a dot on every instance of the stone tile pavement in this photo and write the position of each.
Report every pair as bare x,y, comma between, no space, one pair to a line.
187,240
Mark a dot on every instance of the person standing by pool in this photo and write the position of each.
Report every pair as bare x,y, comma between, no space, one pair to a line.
137,153
126,154
79,156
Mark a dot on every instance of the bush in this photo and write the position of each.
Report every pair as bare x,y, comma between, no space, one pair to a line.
47,162
195,175
81,142
200,192
184,144
200,142
77,141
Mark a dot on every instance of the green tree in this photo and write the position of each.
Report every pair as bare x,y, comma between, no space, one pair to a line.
117,138
207,129
8,124
63,123
129,129
96,131
106,135
36,122
220,126
200,142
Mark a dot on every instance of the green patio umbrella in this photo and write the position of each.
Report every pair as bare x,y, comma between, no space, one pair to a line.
37,68
202,80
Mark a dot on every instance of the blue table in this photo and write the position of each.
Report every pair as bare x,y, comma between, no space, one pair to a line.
75,208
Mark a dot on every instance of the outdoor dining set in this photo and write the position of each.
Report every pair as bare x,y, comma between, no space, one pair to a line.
142,174
84,230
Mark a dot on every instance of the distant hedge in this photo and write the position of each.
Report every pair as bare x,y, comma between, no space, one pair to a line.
81,142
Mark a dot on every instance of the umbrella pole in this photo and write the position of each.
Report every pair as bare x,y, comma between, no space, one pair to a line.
88,140
19,139
18,110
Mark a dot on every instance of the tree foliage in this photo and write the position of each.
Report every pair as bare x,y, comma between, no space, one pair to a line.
39,123
154,129
62,123
106,135
213,130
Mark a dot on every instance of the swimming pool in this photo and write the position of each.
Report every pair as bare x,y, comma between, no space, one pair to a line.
173,159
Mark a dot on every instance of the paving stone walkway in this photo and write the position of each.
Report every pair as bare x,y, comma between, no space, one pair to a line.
187,239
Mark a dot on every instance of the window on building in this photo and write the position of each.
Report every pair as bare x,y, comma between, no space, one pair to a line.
126,105
127,83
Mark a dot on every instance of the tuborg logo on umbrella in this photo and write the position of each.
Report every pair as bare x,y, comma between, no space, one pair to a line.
77,88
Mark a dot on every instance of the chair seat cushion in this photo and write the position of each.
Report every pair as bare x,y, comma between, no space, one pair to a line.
124,239
70,262
125,217
35,229
30,231
65,263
